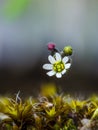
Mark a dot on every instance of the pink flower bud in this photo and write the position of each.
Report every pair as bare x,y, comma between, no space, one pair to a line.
51,46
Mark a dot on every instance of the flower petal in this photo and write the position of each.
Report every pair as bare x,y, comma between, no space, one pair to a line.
58,57
67,66
51,59
58,75
65,59
47,66
64,71
51,73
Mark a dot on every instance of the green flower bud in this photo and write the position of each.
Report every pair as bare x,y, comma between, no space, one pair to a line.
67,50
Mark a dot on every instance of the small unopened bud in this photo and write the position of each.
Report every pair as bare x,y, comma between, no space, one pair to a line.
67,50
51,46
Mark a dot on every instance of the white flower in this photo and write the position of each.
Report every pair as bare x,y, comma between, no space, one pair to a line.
58,65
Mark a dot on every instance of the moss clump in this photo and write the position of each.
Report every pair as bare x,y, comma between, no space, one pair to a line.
49,112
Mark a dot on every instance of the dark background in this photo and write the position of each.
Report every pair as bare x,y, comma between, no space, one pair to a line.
23,45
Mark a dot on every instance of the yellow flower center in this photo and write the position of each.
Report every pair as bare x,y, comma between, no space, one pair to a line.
58,66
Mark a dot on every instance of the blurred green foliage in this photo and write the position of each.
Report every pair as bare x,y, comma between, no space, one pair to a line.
14,8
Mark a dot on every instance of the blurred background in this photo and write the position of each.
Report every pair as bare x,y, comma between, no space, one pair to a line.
26,26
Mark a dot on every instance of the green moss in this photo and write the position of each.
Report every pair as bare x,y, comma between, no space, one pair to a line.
49,112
